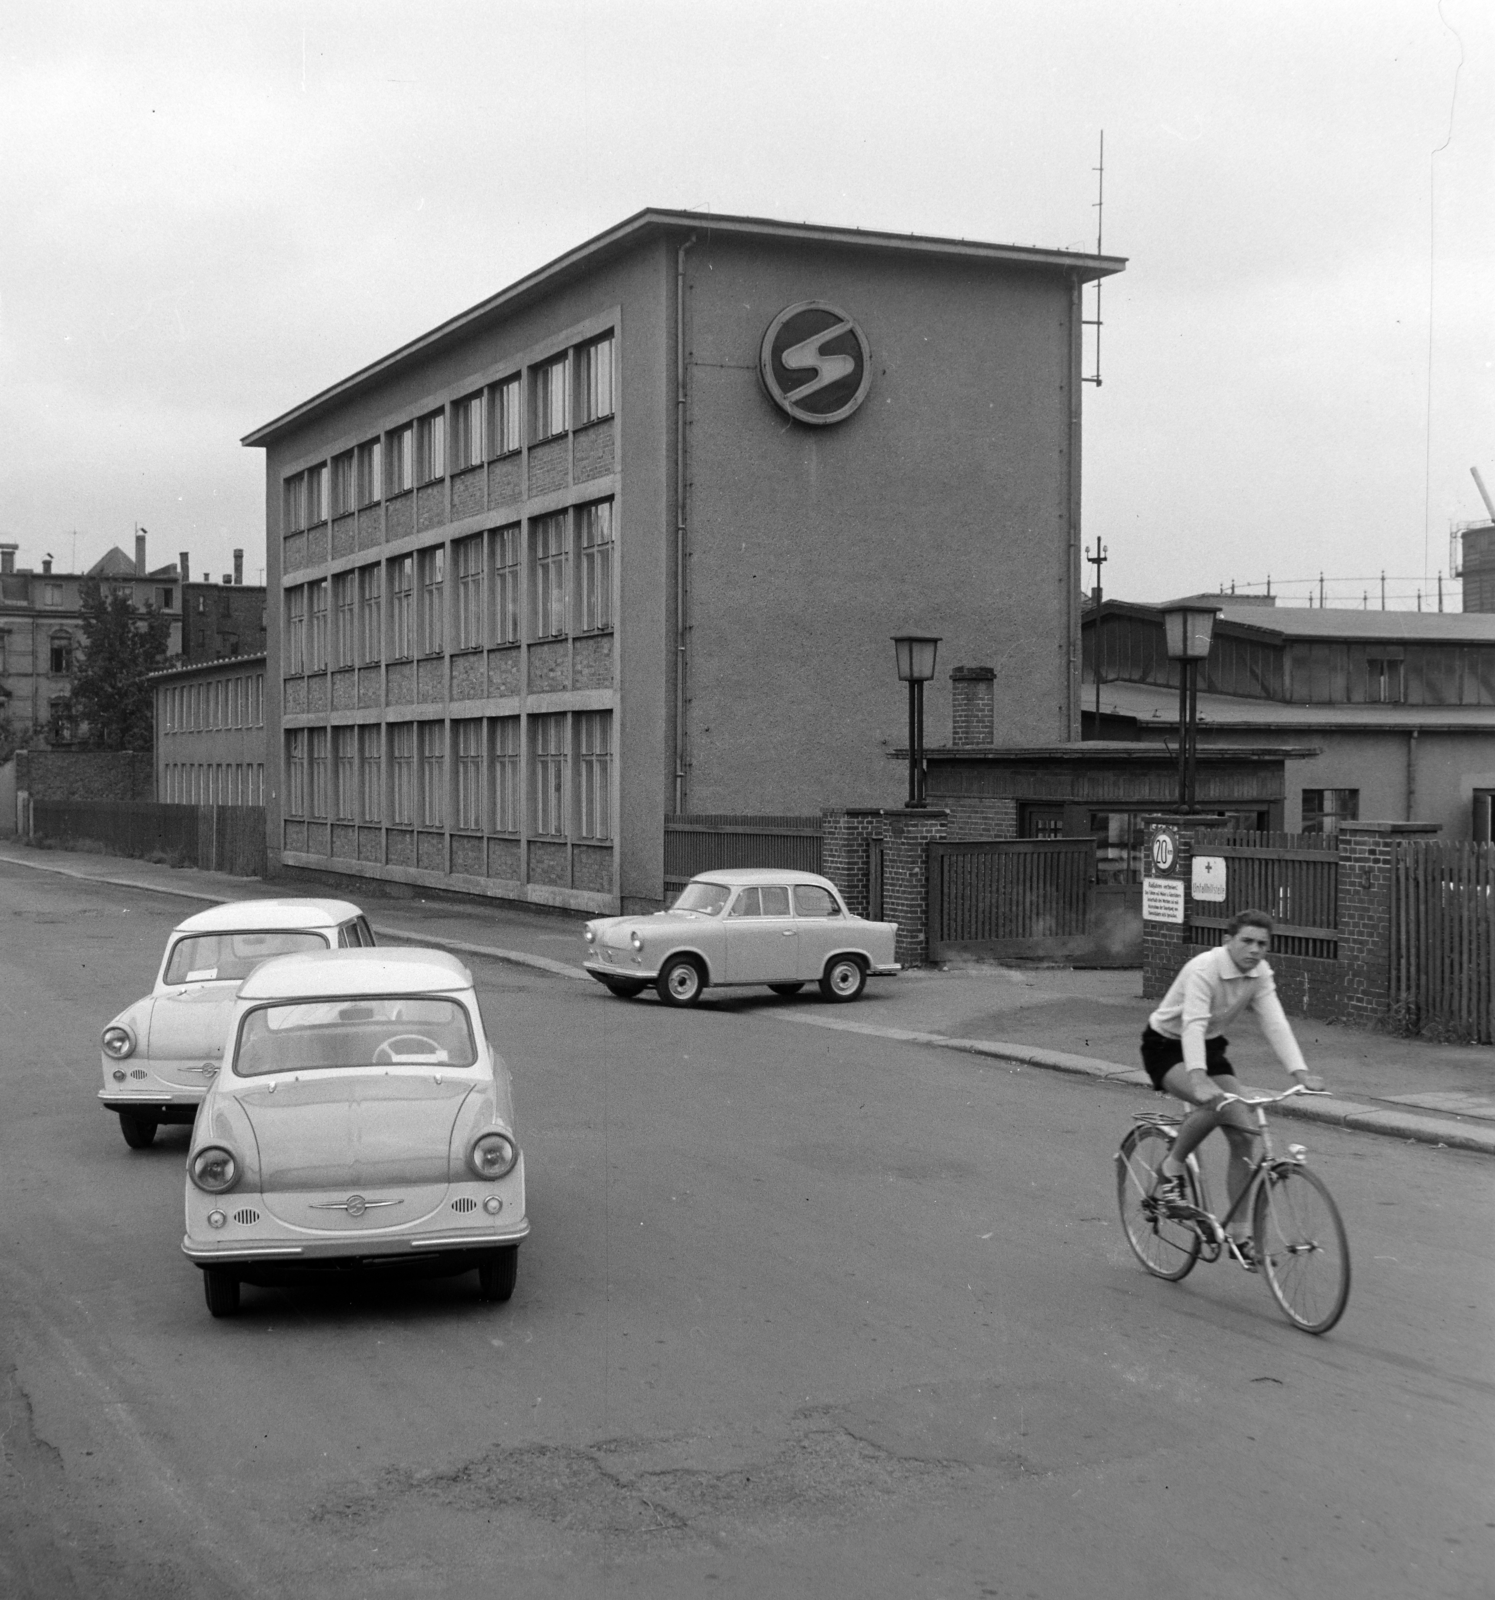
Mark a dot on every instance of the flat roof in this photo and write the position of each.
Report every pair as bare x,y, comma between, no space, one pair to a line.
654,221
1100,750
1332,623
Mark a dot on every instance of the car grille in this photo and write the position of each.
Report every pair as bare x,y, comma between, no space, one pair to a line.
464,1203
246,1216
137,1072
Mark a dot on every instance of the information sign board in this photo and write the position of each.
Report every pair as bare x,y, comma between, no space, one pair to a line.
1208,881
1162,900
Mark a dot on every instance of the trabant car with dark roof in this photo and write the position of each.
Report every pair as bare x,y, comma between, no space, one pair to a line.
160,1054
743,925
362,1119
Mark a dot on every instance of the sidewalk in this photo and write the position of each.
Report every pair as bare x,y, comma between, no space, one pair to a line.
1081,1022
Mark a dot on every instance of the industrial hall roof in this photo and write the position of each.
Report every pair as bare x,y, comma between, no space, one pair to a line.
1328,622
654,222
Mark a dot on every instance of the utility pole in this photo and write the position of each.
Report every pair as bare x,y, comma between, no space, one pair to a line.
1098,560
1383,588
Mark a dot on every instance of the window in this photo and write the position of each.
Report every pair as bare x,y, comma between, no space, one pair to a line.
345,614
594,381
257,700
51,594
549,385
402,606
316,494
368,474
1383,681
402,772
506,585
506,775
399,462
345,774
295,639
433,774
594,796
507,434
295,507
467,557
4,641
62,654
370,773
810,900
342,484
550,775
432,602
316,633
430,447
370,613
1325,809
467,433
63,728
596,566
316,751
296,773
548,538
469,743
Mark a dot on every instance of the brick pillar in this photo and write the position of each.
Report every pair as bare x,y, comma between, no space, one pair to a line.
905,899
1366,854
843,852
973,706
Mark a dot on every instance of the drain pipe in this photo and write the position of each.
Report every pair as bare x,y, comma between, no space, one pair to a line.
1412,776
680,508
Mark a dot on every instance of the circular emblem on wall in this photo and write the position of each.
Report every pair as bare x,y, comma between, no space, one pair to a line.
815,363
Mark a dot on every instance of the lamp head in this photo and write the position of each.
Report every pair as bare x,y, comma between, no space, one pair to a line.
1188,629
916,653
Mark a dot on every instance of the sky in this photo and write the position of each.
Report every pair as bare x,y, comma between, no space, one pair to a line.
213,211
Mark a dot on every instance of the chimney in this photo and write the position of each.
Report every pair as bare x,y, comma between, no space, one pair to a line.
8,557
46,566
140,552
184,571
973,706
238,566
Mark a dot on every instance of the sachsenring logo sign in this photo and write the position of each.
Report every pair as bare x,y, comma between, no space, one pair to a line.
815,363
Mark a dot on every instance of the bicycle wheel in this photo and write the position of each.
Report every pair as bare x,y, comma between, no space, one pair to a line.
1167,1248
1302,1248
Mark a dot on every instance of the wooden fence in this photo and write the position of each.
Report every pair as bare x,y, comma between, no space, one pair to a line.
705,842
1294,877
216,838
1443,939
1012,897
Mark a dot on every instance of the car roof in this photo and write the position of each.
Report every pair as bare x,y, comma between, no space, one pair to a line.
742,875
318,974
251,916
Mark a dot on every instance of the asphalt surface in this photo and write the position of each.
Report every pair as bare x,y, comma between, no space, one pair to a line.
804,1310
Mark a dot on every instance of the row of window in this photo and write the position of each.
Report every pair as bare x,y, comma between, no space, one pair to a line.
474,775
392,610
237,702
571,389
221,783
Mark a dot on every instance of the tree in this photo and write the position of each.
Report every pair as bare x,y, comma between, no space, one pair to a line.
111,698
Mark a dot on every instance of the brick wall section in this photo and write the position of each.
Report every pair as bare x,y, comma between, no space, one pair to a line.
981,816
845,836
86,774
973,706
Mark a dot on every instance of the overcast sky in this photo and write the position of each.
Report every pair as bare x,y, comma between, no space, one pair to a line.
212,211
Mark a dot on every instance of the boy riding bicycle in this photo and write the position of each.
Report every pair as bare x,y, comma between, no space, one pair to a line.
1183,1050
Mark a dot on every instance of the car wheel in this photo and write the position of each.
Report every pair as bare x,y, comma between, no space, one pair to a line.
680,983
139,1132
496,1274
221,1290
624,988
844,979
786,988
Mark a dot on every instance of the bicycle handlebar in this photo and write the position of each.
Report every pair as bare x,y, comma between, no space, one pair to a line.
1266,1099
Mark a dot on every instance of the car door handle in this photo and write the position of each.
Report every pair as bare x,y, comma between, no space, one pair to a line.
788,933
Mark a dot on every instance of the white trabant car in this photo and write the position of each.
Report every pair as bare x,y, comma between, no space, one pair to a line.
362,1119
160,1054
743,925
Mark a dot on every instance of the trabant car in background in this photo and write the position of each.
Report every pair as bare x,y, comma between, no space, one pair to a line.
744,925
362,1119
160,1054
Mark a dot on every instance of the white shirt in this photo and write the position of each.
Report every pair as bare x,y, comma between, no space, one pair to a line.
1209,993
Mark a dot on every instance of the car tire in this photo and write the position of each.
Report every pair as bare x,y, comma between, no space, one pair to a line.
624,988
845,978
497,1273
680,981
139,1132
221,1290
786,988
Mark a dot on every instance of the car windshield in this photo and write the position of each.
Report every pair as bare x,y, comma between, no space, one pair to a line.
705,898
381,1032
206,956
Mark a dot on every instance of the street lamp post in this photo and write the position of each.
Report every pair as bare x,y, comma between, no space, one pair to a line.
916,654
1187,629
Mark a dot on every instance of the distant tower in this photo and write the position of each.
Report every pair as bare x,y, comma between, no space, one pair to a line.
1477,555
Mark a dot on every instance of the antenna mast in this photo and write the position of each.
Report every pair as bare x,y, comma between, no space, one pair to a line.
1098,560
1100,212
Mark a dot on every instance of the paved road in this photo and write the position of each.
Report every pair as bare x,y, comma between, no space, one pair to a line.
803,1312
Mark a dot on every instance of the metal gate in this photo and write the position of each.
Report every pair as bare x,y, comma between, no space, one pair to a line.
1030,899
1443,939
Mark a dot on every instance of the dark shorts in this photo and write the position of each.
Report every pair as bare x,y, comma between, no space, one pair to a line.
1159,1053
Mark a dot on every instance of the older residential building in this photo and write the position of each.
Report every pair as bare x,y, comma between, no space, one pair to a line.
630,538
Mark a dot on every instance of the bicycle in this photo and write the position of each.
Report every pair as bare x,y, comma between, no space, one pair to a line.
1299,1238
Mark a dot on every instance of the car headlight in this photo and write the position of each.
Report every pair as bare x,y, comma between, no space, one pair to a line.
492,1155
635,941
214,1168
590,935
118,1042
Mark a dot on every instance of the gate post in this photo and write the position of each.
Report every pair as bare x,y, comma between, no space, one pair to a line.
1366,851
846,836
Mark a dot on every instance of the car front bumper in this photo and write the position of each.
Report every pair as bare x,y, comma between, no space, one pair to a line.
353,1250
626,967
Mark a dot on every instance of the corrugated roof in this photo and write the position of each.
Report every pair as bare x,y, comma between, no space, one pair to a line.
1304,622
1158,705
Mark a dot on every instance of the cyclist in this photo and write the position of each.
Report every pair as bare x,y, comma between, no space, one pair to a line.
1183,1050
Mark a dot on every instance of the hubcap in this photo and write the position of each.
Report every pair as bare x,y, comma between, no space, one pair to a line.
682,983
844,979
